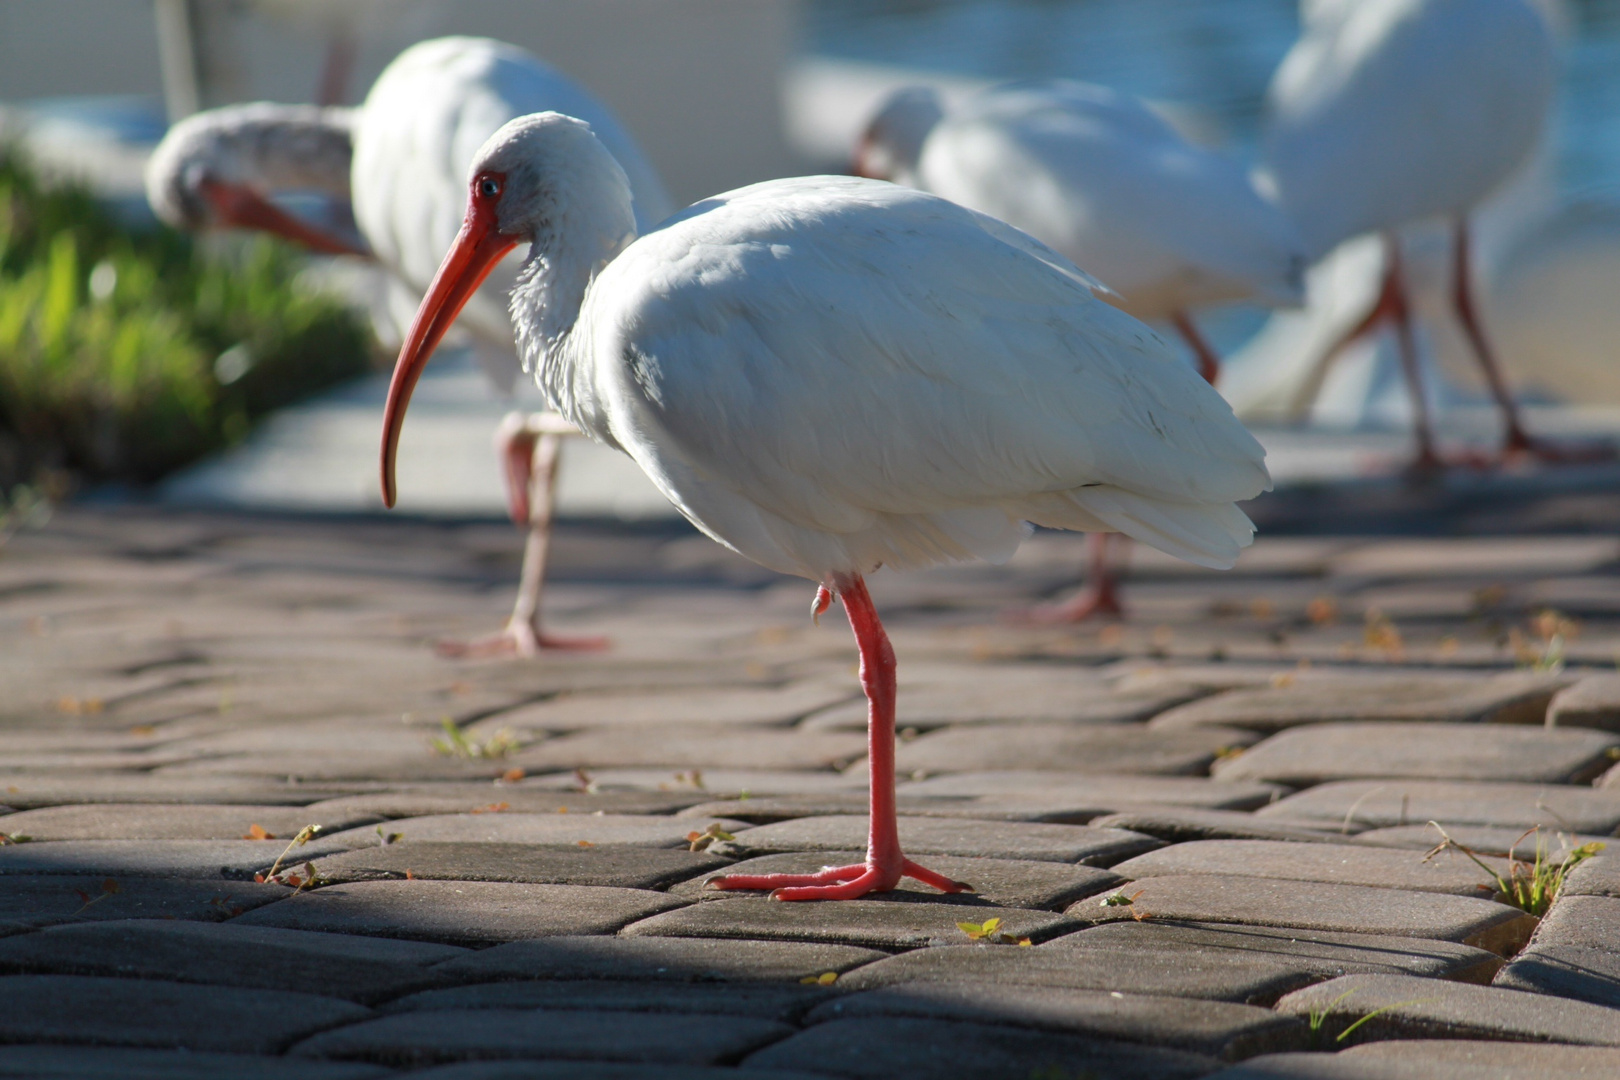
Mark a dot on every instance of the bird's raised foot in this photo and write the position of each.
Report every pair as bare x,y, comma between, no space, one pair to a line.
1089,603
520,639
838,882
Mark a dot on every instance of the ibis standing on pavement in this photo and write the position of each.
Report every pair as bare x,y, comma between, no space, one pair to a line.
1387,112
401,159
833,374
1169,227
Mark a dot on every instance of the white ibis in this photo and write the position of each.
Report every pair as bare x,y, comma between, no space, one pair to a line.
1100,177
832,374
1387,112
401,157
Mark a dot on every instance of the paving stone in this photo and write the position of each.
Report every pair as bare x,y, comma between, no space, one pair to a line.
1309,905
1592,702
1021,883
617,865
886,1048
129,1063
507,827
936,836
522,797
1434,1059
1592,921
787,1001
1254,965
1427,1009
28,791
1097,794
1597,876
1109,749
417,1038
1516,698
1175,825
1217,1028
232,859
1054,807
1318,753
710,783
1571,971
1391,803
1042,698
229,954
460,912
656,958
1341,864
596,1070
704,705
111,821
34,900
1483,840
687,746
896,920
148,1012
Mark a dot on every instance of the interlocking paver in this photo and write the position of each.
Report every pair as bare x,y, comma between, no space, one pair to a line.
522,797
936,836
33,900
1514,698
1365,804
1024,883
656,958
128,1063
1110,748
1309,905
1340,864
898,920
687,746
885,1048
112,821
1592,921
597,1070
1049,697
1218,1028
417,1038
1425,1008
1175,825
1597,876
508,827
1592,702
150,1012
30,791
619,865
1521,844
721,705
238,859
347,966
1572,971
460,912
787,1001
1433,1059
1097,794
1318,753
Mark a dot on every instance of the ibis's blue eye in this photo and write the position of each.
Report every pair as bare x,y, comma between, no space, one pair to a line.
489,187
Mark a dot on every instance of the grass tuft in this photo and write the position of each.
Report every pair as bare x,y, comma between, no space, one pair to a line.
1529,886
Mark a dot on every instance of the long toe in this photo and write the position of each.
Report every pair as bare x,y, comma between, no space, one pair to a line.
869,882
828,875
937,880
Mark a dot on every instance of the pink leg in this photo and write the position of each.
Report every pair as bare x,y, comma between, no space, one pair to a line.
885,864
1100,597
1209,365
529,456
1400,311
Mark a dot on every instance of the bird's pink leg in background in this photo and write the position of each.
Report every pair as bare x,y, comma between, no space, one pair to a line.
1209,364
885,863
1099,597
529,448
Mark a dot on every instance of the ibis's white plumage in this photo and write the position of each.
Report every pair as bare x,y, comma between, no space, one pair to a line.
829,373
1103,179
1388,111
425,117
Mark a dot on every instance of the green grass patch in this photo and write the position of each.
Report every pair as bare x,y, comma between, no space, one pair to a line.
127,353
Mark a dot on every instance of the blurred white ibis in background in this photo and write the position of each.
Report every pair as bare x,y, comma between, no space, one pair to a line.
1388,112
1107,182
401,158
832,374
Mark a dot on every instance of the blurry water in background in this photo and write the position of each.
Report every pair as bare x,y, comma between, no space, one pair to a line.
1215,56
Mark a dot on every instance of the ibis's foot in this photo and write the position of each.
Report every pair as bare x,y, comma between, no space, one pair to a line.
520,639
1524,449
838,882
1092,602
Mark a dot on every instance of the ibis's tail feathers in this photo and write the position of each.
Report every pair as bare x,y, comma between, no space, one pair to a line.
1208,534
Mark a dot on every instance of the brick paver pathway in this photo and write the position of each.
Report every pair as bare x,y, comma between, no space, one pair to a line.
1203,831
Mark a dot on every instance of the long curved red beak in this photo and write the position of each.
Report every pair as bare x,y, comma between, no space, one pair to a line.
246,209
477,249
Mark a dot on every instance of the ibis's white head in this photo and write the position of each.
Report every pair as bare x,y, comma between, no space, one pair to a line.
212,170
892,143
544,180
